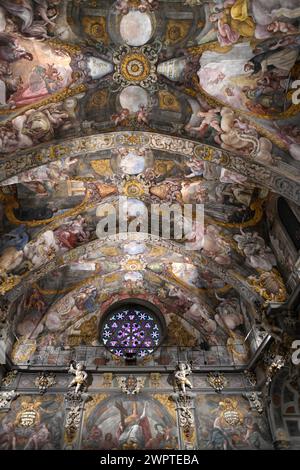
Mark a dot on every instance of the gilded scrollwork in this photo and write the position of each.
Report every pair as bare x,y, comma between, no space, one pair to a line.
44,381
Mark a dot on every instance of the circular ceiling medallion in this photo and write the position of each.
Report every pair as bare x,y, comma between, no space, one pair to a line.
131,161
133,97
132,164
136,28
135,67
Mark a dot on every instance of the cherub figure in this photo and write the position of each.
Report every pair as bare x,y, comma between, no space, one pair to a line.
211,118
142,115
148,5
184,370
120,117
122,6
80,379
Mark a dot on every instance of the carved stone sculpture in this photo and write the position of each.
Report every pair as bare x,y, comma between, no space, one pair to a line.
181,377
80,379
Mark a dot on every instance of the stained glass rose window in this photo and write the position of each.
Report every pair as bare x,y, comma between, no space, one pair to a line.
131,330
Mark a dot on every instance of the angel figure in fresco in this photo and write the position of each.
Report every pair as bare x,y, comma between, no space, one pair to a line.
181,377
211,118
237,135
33,126
281,27
142,115
122,6
280,60
134,429
72,233
31,17
233,21
10,49
148,5
265,12
254,248
80,379
9,83
120,117
43,81
229,316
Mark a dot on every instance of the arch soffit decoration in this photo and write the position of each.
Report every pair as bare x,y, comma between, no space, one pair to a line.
274,178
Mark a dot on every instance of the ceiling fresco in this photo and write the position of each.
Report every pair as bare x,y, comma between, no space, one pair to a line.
160,102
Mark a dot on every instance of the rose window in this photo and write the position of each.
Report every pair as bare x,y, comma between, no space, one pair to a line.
131,331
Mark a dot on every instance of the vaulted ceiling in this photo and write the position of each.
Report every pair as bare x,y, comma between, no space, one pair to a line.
161,102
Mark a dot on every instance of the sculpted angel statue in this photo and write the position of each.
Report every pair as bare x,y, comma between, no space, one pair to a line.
181,377
80,379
